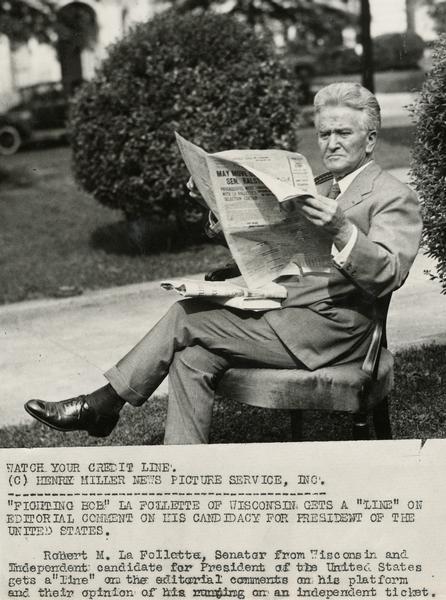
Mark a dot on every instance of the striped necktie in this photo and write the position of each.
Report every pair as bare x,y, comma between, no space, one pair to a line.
335,190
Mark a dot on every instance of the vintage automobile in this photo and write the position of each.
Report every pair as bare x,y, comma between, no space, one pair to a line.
39,113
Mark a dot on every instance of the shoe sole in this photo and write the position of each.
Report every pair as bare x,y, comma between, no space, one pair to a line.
90,432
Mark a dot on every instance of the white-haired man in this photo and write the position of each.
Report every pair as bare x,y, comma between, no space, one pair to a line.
374,223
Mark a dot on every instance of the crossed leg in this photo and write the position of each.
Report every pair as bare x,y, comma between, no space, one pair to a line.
195,343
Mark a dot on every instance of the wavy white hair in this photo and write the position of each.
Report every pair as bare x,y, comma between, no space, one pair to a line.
353,95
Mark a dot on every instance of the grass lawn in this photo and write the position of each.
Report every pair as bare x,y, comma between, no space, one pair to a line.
53,235
418,410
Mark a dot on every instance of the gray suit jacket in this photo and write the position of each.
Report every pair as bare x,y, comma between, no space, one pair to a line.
328,317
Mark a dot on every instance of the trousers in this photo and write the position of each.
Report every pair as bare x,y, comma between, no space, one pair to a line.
194,344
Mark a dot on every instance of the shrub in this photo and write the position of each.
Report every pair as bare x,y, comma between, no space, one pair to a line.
429,158
397,51
339,61
208,77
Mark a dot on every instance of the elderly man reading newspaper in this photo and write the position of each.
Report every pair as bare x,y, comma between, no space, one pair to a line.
373,226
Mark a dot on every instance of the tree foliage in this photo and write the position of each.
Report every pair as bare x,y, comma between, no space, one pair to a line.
209,77
437,10
316,25
22,19
429,158
76,24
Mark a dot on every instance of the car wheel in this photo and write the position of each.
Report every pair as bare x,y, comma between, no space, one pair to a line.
10,139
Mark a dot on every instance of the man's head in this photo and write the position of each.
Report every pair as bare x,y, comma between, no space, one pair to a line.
347,121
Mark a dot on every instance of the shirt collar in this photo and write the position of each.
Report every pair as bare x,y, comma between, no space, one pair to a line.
345,182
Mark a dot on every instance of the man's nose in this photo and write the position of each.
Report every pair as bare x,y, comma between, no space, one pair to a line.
333,141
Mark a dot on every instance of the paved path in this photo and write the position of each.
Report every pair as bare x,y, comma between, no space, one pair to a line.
59,348
394,108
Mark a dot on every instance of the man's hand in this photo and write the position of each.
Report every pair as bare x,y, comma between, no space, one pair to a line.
229,271
194,193
325,213
193,190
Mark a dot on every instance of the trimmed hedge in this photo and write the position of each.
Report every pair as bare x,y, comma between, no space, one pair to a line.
397,51
208,77
392,51
339,61
429,158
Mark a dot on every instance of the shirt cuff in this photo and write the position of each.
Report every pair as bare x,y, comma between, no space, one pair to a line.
213,226
340,257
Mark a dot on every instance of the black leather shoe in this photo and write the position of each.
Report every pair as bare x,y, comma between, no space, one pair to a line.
72,415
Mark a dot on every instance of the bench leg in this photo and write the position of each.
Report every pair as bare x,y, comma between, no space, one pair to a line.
296,425
381,421
360,427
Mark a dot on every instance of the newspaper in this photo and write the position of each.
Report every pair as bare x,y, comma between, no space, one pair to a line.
245,190
231,293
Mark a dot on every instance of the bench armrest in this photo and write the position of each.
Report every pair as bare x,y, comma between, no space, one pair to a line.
371,361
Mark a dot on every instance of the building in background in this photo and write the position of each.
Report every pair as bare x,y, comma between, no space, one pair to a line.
87,27
347,5
402,15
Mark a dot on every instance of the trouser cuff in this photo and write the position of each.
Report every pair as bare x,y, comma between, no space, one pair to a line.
122,388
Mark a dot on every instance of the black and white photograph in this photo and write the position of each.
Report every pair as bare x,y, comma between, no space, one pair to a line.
222,233
98,208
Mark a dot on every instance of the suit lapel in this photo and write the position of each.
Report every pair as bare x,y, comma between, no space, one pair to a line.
360,187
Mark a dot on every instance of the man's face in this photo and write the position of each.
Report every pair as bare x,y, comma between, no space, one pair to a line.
344,141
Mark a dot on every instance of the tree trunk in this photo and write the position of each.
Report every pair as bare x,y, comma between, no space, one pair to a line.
368,79
410,15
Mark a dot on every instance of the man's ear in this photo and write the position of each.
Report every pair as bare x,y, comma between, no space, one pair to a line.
371,141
